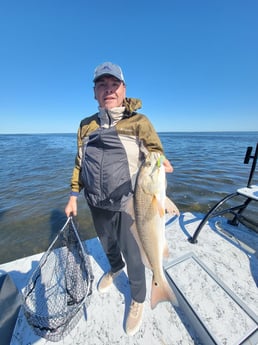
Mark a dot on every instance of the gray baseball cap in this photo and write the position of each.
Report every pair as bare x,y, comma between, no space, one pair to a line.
108,68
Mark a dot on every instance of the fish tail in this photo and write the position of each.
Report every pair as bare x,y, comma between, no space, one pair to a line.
161,292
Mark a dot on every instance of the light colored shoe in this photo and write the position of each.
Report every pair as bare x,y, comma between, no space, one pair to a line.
134,318
107,280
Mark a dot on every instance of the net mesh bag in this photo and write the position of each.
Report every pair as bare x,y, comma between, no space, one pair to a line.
60,287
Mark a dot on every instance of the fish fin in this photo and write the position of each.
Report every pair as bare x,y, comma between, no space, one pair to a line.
165,250
171,207
161,292
157,204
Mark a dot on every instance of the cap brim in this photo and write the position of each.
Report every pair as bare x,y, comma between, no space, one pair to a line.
105,75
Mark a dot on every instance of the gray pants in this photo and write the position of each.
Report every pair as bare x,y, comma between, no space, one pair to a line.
113,230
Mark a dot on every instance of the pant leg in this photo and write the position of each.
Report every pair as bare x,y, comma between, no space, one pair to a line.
114,231
105,225
132,256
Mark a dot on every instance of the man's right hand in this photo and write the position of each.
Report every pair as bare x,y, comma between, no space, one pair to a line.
71,207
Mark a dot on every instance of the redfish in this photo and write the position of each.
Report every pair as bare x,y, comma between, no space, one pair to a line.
150,204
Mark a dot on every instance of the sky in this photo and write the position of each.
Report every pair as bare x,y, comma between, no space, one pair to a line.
193,63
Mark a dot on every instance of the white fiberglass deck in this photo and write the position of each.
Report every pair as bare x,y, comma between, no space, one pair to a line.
230,253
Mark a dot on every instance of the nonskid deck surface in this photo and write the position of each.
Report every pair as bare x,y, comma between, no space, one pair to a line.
230,253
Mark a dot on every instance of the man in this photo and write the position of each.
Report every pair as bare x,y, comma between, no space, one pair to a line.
112,144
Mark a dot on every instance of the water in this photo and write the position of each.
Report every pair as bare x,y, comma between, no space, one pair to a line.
35,175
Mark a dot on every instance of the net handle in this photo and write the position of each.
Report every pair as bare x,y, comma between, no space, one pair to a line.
89,267
69,219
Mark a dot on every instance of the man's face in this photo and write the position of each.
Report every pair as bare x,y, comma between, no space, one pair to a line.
109,92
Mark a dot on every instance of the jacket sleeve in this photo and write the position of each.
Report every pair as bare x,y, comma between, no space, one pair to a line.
76,185
87,125
149,136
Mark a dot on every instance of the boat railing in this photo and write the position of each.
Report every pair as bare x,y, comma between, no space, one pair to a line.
247,194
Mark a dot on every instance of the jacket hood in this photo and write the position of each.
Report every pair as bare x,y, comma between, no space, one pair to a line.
131,105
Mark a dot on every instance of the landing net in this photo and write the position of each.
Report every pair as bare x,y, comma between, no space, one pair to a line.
60,286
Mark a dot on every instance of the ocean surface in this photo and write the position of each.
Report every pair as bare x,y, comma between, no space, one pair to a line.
35,174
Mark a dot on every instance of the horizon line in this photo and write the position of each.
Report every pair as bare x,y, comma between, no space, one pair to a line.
174,131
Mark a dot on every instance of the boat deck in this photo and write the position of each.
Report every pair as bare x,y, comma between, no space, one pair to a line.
229,254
